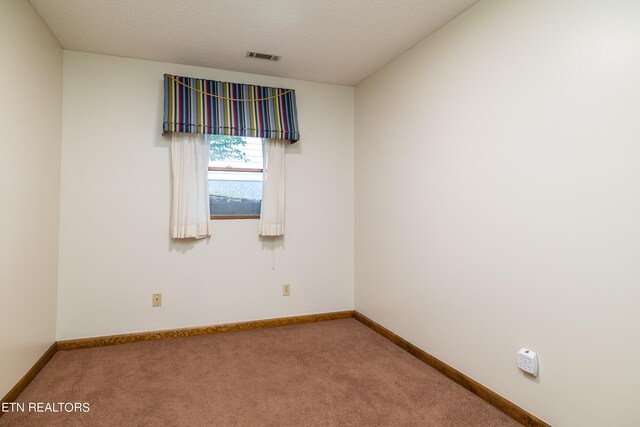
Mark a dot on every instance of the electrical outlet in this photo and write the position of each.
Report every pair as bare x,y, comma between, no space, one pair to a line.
156,300
528,361
286,289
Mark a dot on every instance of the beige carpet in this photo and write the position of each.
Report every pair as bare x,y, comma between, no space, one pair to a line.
335,373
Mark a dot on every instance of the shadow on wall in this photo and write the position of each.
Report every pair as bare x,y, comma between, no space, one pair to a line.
185,245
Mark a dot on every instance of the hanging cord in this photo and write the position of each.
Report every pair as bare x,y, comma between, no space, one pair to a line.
273,252
224,97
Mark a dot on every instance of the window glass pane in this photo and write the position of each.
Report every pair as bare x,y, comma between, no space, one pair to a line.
235,152
235,193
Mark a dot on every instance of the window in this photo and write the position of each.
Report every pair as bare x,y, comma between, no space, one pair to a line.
235,177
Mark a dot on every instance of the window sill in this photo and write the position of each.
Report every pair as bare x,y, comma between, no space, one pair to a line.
235,217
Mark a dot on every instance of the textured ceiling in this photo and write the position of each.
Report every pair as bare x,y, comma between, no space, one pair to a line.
332,41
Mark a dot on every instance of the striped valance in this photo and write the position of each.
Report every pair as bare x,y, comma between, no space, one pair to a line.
212,107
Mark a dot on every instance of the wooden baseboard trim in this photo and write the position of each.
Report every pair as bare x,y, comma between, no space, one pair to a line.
491,397
203,330
13,394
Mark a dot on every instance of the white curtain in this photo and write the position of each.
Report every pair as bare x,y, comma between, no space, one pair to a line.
190,205
272,208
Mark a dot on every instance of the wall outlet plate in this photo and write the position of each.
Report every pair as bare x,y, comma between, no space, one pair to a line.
156,300
286,289
528,361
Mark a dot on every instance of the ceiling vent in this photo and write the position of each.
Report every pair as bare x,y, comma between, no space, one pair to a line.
263,56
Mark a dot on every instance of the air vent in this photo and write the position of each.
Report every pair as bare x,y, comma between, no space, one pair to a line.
263,56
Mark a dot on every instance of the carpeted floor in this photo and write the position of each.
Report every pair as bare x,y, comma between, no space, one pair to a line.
335,373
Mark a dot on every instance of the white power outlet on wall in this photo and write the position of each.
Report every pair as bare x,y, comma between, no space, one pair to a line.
528,361
156,300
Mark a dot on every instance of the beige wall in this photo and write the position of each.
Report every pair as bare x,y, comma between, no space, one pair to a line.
30,117
498,202
115,249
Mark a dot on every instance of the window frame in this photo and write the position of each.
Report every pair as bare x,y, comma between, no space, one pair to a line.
234,169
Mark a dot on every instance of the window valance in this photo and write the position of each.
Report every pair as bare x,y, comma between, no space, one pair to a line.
213,107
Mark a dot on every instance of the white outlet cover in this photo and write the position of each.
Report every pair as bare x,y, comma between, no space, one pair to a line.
528,361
